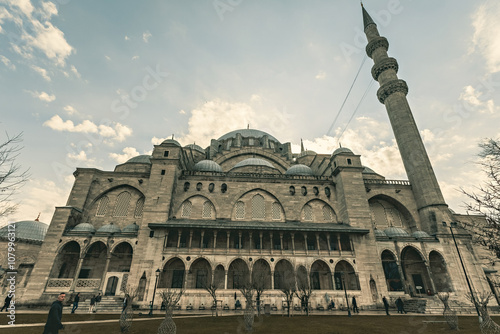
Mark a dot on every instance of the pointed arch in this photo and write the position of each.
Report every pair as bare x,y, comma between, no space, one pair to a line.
261,274
94,261
387,211
321,276
415,270
200,274
238,274
172,275
439,272
66,260
391,271
318,211
121,258
284,275
345,274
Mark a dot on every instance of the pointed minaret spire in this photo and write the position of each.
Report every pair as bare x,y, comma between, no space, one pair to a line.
392,93
367,20
301,146
38,218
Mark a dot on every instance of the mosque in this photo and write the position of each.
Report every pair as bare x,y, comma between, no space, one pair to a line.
247,208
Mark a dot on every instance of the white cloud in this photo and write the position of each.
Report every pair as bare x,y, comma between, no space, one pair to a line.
70,110
127,38
43,96
114,132
182,112
475,99
81,156
128,153
146,36
107,57
486,32
6,61
43,72
75,71
320,76
135,57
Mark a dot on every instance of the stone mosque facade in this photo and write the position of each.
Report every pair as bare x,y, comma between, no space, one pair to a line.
247,208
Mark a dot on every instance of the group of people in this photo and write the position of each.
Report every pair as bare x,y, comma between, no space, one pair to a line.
400,305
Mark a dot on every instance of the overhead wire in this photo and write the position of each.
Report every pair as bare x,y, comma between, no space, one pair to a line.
347,96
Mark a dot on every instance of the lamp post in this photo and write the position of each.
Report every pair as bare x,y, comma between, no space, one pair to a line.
452,225
345,292
157,273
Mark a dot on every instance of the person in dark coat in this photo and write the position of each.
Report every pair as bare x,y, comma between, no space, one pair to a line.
400,305
7,303
97,301
354,305
92,304
75,302
54,324
386,305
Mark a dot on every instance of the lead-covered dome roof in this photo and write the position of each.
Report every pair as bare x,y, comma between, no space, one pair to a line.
380,233
299,169
306,152
171,142
247,133
109,228
195,147
132,228
392,232
140,159
29,230
344,150
253,162
208,166
420,234
84,228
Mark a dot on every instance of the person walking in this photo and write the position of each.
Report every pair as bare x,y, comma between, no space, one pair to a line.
400,305
355,308
54,323
75,302
97,301
7,303
92,304
125,302
386,305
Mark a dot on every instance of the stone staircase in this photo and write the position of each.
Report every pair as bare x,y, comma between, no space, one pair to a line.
432,305
110,304
415,305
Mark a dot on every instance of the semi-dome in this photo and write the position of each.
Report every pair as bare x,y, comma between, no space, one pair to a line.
247,133
368,170
109,228
208,166
253,162
306,152
84,228
171,142
392,232
132,228
380,233
30,230
140,159
195,147
299,169
344,150
420,234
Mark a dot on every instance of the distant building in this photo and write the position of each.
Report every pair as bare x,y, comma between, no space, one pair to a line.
247,208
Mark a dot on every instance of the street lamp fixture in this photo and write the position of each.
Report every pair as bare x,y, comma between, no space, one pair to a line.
157,273
452,226
346,298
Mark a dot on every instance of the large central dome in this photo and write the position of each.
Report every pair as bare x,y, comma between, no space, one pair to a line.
248,133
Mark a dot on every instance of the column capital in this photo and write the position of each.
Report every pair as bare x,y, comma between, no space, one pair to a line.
391,87
378,42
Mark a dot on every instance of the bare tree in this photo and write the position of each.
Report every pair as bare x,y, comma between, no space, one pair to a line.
288,287
485,200
170,298
259,279
212,290
247,290
128,312
12,176
304,290
486,324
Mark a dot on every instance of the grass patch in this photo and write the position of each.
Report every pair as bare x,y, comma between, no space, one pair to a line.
338,324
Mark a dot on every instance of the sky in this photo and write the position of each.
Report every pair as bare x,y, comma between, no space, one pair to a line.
94,83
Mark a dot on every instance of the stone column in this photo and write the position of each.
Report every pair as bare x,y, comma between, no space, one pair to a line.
201,240
429,272
272,279
293,243
305,242
317,241
281,241
225,279
329,246
190,238
215,239
166,240
106,266
339,244
228,234
179,234
239,242
77,272
261,235
251,240
271,238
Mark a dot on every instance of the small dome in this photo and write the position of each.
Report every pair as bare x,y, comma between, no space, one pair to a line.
392,232
253,162
380,233
306,152
132,228
247,133
208,166
171,142
195,147
109,228
140,159
420,234
30,230
299,169
368,170
344,150
84,228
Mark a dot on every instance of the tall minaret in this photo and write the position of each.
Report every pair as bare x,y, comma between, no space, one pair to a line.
392,93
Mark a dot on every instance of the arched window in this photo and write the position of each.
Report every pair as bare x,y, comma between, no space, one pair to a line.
207,210
258,207
327,213
240,210
102,206
122,202
138,207
276,210
186,209
308,213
